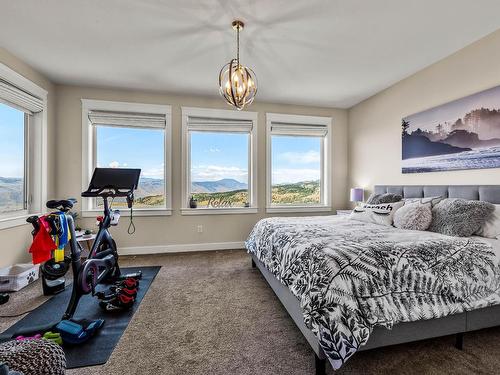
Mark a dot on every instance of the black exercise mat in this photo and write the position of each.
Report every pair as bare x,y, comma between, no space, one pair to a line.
97,350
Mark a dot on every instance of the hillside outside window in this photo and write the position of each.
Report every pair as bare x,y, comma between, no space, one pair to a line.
130,135
218,161
23,151
298,162
13,169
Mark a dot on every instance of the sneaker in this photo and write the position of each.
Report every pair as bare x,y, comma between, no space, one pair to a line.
119,302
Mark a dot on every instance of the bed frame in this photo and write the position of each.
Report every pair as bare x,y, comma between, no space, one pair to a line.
456,324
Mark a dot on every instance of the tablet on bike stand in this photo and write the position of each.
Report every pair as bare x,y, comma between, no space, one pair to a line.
121,180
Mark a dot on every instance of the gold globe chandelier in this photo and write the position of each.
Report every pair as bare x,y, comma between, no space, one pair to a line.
237,83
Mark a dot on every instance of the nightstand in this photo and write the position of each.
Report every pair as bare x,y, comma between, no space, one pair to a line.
344,212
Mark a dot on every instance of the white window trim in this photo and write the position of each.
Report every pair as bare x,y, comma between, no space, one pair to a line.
38,151
186,162
326,167
88,151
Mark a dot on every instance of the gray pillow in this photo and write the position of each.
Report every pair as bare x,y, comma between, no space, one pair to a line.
413,216
460,217
384,198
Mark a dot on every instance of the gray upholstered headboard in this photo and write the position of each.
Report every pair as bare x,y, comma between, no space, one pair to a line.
487,193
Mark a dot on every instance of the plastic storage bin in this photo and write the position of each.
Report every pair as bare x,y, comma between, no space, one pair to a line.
16,277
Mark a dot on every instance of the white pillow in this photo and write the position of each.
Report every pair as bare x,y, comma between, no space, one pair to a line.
376,213
491,228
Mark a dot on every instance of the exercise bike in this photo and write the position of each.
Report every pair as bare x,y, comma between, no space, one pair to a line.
101,265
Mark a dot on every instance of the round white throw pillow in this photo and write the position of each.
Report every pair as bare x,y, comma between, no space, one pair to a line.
413,216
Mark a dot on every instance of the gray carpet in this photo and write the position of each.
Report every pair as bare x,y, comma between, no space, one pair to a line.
211,313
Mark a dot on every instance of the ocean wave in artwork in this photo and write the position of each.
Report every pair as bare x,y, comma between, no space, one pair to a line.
475,159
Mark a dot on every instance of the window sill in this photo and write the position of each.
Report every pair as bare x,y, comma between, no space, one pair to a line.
219,211
285,209
126,212
10,222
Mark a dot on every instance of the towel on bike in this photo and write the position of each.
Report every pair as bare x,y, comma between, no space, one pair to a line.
63,238
43,244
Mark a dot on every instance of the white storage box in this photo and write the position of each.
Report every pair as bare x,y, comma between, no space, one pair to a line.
16,277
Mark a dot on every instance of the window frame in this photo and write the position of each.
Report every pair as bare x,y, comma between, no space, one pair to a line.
222,114
35,153
89,150
326,163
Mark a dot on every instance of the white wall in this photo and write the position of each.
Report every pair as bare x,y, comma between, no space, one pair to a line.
375,124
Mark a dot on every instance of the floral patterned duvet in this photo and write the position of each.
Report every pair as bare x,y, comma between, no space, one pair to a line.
351,276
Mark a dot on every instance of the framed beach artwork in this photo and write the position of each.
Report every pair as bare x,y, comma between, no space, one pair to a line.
462,134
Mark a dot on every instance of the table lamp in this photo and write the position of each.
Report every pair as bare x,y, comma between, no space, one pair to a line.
357,195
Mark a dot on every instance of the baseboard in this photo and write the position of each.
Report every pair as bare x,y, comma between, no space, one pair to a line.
181,248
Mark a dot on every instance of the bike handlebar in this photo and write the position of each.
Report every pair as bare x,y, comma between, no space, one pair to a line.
107,191
111,192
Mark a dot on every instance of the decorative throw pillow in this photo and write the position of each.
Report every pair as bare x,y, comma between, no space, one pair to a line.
413,216
491,228
460,217
383,198
376,213
426,200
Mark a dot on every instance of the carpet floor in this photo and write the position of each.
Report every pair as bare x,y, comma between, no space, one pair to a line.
211,313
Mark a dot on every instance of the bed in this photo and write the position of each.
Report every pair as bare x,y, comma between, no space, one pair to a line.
437,285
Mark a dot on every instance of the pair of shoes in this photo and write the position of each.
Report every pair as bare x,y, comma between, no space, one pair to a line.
129,282
122,296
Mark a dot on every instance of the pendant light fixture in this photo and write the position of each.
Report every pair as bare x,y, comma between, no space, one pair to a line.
237,83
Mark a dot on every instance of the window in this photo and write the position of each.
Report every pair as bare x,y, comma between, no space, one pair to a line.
22,148
218,161
298,163
13,136
129,135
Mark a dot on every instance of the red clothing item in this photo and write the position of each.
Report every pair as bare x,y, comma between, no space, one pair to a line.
43,244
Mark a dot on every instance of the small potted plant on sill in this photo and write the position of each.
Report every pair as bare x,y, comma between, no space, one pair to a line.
193,203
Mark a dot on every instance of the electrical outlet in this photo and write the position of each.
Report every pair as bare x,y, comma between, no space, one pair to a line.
200,228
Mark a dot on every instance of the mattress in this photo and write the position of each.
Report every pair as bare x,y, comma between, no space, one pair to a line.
351,276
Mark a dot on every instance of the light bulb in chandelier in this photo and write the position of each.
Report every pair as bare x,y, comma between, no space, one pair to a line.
237,83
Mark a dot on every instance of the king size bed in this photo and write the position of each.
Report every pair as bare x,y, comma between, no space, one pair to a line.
351,285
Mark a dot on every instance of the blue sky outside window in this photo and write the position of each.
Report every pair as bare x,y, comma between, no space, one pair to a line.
125,147
12,156
295,169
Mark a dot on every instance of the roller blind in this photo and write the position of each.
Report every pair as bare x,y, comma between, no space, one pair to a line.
279,128
108,118
216,125
22,100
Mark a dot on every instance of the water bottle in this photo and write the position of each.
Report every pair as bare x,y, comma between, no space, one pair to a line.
116,217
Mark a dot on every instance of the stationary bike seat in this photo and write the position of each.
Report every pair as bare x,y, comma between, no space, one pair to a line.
65,204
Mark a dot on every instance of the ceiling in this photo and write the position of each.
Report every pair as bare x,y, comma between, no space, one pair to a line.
332,53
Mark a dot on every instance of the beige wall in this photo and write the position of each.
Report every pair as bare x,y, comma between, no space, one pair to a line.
375,124
178,229
15,241
372,145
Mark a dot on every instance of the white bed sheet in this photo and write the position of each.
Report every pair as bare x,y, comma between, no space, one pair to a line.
495,244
